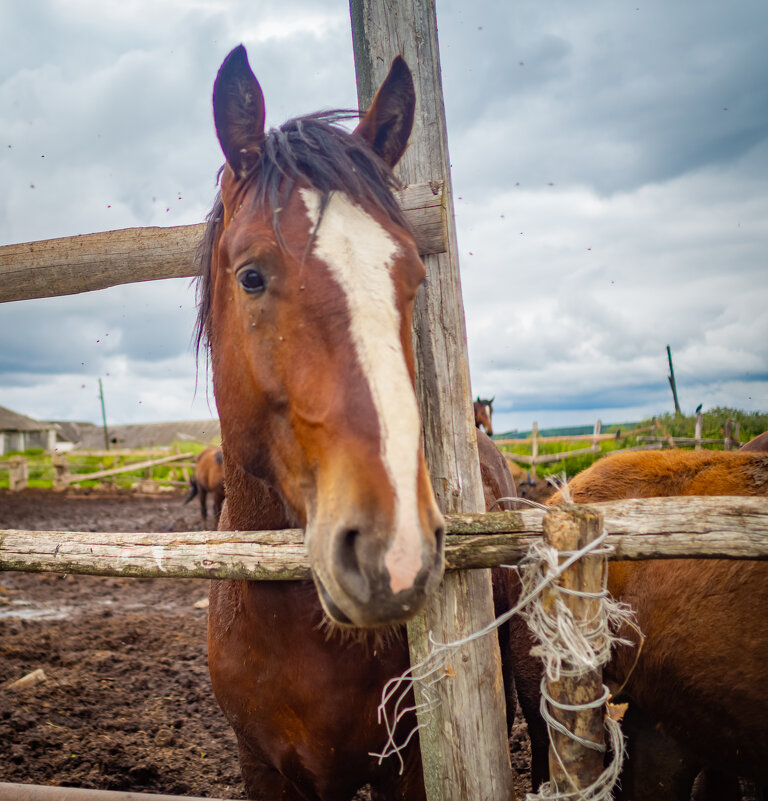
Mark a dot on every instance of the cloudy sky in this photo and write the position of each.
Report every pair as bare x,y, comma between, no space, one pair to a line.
610,167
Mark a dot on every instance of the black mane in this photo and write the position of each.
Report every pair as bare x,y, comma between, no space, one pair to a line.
313,150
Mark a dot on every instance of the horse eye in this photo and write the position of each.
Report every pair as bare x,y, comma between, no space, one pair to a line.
251,280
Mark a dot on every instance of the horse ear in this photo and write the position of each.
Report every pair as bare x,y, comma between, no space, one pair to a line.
238,112
388,123
490,402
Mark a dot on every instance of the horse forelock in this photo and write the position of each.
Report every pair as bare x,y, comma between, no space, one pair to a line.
311,151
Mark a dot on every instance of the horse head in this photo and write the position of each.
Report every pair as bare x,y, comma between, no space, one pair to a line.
483,414
309,275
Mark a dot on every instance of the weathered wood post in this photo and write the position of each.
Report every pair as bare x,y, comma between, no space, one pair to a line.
61,476
698,429
571,529
534,448
464,741
596,435
728,443
18,473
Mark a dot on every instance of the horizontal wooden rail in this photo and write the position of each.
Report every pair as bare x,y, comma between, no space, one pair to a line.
623,434
700,527
689,441
546,458
35,792
76,478
72,264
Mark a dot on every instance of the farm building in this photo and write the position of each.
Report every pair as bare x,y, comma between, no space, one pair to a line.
149,435
19,432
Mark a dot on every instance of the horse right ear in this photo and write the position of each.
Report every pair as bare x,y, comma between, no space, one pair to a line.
238,112
388,122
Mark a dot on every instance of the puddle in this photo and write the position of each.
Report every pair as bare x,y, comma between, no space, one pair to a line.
26,610
30,610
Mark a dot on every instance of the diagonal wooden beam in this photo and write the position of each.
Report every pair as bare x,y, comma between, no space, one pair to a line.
72,264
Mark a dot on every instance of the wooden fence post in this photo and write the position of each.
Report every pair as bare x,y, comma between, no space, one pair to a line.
60,465
571,529
697,432
596,435
18,473
464,740
534,448
728,443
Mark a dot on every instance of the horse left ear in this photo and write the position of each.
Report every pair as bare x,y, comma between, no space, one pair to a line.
238,111
388,122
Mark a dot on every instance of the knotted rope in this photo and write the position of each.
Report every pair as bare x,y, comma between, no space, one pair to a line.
566,646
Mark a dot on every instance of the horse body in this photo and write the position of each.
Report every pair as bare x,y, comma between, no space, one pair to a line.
308,277
208,478
758,443
700,675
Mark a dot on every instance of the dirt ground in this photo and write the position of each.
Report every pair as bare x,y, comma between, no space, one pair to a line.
126,703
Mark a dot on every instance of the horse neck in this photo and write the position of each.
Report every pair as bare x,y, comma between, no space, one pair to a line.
252,505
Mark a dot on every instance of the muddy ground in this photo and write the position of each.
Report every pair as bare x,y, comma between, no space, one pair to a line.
126,703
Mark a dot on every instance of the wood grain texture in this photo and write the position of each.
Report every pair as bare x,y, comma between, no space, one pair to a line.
72,264
464,741
651,528
572,765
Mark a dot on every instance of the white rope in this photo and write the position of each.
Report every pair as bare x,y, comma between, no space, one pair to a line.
566,647
432,669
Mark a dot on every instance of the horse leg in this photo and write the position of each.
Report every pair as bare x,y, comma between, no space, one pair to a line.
262,781
528,671
203,510
712,785
505,593
656,767
218,500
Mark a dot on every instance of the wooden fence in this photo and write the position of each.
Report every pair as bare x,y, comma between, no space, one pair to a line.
653,441
672,527
458,763
61,476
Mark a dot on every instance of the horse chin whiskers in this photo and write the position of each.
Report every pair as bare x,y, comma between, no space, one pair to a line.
373,640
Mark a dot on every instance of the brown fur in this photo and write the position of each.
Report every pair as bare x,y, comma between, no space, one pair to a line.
758,443
701,674
497,478
208,478
305,717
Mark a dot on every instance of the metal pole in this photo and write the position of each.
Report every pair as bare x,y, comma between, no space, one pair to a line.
104,417
671,378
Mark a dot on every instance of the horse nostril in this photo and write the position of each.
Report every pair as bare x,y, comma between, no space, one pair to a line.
439,544
350,571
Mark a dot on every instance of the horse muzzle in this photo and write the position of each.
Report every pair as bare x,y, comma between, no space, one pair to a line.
370,578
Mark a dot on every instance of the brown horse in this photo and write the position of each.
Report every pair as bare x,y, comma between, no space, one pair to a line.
483,414
758,443
308,277
697,697
208,478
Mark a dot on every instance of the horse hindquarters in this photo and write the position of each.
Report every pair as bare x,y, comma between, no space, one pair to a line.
702,670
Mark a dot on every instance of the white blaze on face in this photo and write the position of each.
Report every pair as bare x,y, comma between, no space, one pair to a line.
360,254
